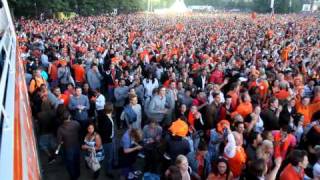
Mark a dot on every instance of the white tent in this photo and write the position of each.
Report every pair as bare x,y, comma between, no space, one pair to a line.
179,6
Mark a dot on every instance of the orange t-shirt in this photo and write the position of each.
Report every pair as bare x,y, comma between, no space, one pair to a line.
253,15
269,34
219,177
180,27
289,173
285,53
307,111
238,162
65,99
54,71
167,83
263,87
79,73
191,119
244,109
234,99
280,150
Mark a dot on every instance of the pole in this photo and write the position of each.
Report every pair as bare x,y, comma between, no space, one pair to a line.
272,6
36,8
148,11
290,6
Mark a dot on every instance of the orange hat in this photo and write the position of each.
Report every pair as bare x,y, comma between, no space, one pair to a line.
221,124
179,128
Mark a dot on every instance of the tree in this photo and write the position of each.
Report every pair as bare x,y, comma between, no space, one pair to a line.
261,6
283,6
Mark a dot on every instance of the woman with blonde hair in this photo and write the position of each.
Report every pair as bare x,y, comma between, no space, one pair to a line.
265,151
183,165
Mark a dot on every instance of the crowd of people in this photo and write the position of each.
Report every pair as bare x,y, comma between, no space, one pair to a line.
199,96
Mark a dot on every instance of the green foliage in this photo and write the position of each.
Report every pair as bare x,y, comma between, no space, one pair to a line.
93,7
262,6
83,7
280,6
283,6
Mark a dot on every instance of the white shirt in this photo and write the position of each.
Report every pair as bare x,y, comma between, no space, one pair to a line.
259,125
149,86
203,82
316,170
100,102
210,98
110,117
231,147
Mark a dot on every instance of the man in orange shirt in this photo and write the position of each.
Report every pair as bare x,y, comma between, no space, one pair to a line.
283,94
295,169
244,108
79,73
285,53
62,97
283,141
234,93
304,107
235,154
262,86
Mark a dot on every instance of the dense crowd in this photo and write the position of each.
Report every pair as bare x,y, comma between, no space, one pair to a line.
202,96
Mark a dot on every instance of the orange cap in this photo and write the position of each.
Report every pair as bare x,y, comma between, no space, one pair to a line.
179,128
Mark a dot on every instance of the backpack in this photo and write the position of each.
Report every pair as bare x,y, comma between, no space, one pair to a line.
130,114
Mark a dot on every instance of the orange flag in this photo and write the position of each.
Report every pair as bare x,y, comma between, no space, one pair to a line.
253,15
180,27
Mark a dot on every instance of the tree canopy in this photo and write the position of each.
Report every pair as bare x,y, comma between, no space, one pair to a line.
93,7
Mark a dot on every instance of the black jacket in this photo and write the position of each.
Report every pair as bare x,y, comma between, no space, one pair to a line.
108,79
198,81
177,145
284,117
105,129
271,121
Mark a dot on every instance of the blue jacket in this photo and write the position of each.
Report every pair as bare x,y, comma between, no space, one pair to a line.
194,164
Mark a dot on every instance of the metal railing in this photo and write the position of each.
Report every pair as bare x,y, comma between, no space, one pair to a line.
18,152
7,99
